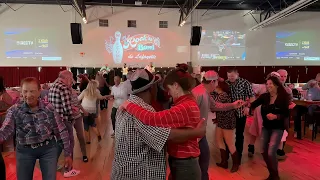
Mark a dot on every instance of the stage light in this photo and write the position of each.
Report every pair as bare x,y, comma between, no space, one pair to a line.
84,20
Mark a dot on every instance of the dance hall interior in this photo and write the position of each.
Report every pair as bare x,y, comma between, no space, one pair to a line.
159,89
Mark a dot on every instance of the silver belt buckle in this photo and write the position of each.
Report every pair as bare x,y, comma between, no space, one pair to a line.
34,146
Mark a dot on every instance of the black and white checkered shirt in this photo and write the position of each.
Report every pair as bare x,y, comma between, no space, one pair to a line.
139,149
240,90
60,97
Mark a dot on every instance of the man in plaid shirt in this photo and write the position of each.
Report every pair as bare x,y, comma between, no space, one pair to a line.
60,97
35,124
241,89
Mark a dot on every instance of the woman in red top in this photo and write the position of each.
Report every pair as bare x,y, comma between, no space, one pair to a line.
185,113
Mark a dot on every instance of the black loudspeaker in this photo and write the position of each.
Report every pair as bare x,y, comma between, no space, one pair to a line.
76,33
195,35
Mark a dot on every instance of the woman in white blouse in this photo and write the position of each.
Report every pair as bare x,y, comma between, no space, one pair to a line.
89,99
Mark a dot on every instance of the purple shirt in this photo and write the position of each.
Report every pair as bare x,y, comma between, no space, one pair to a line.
32,127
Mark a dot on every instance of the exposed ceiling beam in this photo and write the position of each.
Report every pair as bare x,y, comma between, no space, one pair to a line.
205,4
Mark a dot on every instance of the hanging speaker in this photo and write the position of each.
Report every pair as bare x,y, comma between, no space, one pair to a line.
76,33
195,35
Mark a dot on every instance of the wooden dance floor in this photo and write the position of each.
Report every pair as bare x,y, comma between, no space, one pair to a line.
303,159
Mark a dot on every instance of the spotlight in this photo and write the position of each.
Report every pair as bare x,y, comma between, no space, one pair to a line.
85,20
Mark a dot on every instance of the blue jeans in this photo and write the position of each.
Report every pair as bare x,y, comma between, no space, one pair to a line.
271,139
204,158
26,160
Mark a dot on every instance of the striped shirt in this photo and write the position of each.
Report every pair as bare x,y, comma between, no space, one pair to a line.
32,127
241,89
184,114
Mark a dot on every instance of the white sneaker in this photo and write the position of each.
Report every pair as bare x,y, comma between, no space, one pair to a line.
71,173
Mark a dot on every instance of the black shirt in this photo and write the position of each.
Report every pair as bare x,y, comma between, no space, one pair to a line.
279,108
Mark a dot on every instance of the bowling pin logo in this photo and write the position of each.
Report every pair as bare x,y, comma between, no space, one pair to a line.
117,49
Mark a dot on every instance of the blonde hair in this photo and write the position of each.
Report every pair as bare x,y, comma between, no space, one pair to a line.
91,90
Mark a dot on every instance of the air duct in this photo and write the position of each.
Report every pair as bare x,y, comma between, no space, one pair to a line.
284,13
189,13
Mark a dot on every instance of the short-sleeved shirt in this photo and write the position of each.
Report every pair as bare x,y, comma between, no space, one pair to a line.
120,93
139,149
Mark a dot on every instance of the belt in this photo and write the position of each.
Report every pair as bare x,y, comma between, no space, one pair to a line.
36,145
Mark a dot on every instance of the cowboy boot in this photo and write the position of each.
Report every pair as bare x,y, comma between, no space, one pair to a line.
235,162
224,161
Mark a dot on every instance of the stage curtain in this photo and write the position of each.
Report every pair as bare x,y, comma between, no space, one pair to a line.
49,74
28,72
10,76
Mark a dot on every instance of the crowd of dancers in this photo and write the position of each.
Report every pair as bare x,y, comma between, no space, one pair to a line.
152,115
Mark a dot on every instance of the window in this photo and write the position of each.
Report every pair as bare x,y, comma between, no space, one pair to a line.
163,24
132,23
103,23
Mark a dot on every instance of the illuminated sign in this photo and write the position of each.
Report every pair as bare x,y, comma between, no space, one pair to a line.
139,46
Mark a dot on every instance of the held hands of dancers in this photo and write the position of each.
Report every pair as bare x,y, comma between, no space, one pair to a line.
238,104
271,116
108,97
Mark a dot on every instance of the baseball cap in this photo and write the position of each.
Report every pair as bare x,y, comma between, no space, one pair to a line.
211,75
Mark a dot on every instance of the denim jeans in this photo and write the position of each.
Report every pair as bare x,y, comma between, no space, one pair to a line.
184,169
271,139
204,158
27,157
240,126
2,168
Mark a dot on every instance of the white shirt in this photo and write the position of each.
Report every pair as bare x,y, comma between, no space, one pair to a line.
89,103
120,93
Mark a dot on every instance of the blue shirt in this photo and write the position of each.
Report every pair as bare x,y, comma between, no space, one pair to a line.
315,93
32,127
44,93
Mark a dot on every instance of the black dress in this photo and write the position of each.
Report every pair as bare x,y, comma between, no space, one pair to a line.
226,119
